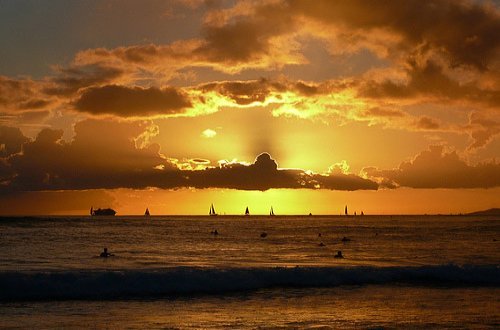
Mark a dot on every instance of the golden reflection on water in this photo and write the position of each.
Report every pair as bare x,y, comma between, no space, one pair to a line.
348,307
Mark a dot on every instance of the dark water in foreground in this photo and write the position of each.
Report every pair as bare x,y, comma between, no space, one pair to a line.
170,272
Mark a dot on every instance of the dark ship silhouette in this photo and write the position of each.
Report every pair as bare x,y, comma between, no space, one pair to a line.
101,212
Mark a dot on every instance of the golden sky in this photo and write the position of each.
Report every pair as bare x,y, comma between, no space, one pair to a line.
308,106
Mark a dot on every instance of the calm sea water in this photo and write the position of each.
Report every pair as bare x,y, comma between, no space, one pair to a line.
171,272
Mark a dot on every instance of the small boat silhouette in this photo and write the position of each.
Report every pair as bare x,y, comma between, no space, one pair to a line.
247,212
212,211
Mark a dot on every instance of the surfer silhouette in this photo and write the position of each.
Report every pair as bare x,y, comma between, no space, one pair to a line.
105,253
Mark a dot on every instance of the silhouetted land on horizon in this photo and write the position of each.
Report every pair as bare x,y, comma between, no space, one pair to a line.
494,211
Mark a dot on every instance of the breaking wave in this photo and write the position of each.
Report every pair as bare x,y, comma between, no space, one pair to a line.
65,285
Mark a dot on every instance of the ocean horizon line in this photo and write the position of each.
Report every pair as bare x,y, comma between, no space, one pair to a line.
243,215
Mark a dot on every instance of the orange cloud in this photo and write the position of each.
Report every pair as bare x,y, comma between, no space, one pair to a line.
483,128
270,34
70,80
439,52
18,95
383,112
427,123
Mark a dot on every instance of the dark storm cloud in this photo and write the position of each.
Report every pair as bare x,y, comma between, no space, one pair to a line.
436,168
132,101
247,38
105,155
462,32
264,174
11,140
465,32
429,80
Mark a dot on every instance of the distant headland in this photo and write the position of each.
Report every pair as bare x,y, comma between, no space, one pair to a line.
494,211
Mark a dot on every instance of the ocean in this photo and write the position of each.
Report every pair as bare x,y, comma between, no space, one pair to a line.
172,272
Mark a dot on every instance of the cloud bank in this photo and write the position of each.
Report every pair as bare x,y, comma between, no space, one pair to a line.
435,168
107,155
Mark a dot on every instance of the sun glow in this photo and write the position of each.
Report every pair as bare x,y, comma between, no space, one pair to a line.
208,133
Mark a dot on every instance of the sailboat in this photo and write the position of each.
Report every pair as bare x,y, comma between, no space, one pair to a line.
271,213
345,211
212,211
247,212
146,214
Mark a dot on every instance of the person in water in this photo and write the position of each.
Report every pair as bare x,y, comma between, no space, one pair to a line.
338,255
105,253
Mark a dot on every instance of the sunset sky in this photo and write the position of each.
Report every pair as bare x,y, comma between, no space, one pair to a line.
385,106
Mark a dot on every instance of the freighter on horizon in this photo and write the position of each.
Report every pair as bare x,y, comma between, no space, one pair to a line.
100,211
